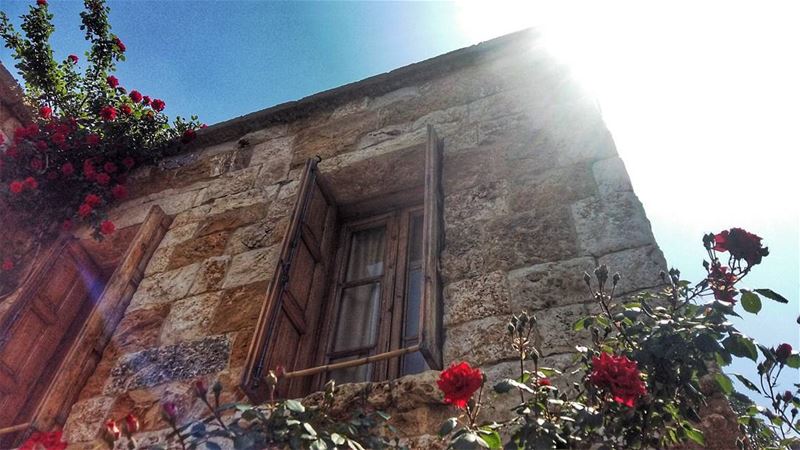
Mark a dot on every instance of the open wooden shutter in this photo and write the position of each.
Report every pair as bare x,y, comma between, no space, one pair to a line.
35,337
287,334
431,330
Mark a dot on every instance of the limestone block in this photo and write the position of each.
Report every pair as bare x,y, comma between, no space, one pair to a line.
483,201
211,274
351,107
333,137
532,237
479,342
239,307
159,261
404,93
557,186
164,287
274,156
476,298
191,216
455,114
250,267
263,134
138,330
554,327
177,234
231,219
184,361
577,132
639,268
614,222
242,339
198,249
611,176
230,183
172,202
86,419
550,284
189,318
468,168
264,233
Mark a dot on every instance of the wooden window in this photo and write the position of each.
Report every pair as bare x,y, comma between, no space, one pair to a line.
348,289
54,335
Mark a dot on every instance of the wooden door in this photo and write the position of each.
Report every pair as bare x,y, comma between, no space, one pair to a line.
38,332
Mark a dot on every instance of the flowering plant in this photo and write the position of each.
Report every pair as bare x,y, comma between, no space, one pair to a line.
653,366
72,161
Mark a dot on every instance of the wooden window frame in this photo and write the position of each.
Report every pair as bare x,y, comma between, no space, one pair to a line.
86,350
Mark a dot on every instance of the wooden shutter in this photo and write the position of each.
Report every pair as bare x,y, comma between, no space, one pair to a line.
288,330
35,337
431,330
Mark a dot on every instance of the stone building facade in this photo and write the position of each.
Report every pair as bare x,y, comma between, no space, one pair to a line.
533,193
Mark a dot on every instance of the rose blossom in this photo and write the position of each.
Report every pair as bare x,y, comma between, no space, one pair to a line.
741,245
92,200
109,167
102,179
31,183
200,388
84,210
783,352
73,59
722,282
7,264
41,2
131,424
126,109
619,376
107,227
169,411
458,382
158,104
108,113
145,100
46,112
128,162
119,44
136,96
67,169
112,430
92,139
58,138
188,136
112,81
41,145
15,187
36,164
119,192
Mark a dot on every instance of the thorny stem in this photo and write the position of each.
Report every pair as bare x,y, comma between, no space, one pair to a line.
215,413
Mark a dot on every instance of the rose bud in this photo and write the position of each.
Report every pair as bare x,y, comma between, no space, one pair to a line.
783,352
131,424
200,389
169,411
787,396
112,431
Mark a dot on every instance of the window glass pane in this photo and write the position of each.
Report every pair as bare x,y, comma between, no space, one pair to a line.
366,254
351,374
413,299
415,240
358,317
414,363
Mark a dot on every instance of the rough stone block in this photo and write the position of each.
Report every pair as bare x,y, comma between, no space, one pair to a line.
210,276
231,219
274,156
476,298
138,330
164,287
479,342
468,168
250,267
189,319
264,233
184,361
639,268
159,261
543,235
198,249
239,307
549,284
611,223
86,418
611,176
484,201
554,327
557,186
271,132
177,234
333,137
231,183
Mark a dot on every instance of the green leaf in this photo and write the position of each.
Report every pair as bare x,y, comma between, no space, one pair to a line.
319,444
747,383
741,346
724,383
337,439
492,439
448,426
696,436
505,385
294,405
751,302
793,361
309,429
582,323
772,295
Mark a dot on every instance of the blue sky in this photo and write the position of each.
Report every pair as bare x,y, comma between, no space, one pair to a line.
701,98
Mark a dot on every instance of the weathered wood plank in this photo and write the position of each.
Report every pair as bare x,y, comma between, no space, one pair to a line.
431,330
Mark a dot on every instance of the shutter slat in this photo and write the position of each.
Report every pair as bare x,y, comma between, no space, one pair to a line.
431,330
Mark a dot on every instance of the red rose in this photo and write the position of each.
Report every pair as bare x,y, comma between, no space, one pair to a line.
136,96
783,352
73,59
66,225
110,167
107,227
108,113
36,164
67,169
41,2
112,431
119,192
112,81
119,44
722,282
145,100
31,183
15,187
128,162
131,424
458,382
46,112
158,104
7,264
92,200
544,382
102,179
169,411
741,245
188,136
12,152
41,145
52,175
58,138
126,109
619,376
200,388
84,210
92,139
203,126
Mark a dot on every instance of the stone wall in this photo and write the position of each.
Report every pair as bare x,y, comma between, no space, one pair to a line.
534,195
